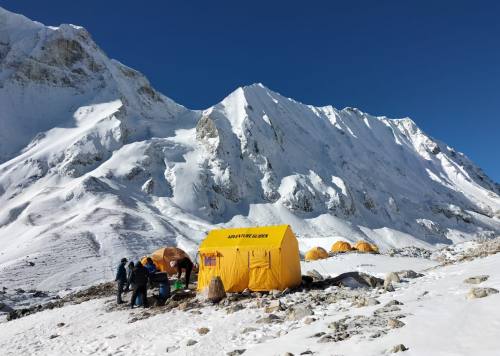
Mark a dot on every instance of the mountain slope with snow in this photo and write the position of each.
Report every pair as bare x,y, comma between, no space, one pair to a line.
95,165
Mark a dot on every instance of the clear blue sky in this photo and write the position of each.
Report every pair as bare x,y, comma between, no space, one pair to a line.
435,61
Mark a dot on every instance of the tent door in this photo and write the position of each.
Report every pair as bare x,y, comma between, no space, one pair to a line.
262,276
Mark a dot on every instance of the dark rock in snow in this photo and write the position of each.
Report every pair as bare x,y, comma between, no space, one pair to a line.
398,348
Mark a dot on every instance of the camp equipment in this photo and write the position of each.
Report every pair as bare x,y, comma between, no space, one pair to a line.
163,256
363,246
316,253
257,258
341,246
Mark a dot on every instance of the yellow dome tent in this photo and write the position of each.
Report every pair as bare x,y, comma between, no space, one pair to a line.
363,246
341,246
257,258
162,257
316,253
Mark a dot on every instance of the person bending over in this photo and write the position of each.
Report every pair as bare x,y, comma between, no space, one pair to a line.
185,264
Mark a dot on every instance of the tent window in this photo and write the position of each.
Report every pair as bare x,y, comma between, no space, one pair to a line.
209,260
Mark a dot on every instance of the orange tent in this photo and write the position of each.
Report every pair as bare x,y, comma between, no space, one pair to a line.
162,257
341,246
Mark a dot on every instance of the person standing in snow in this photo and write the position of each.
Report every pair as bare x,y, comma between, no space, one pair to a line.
150,266
139,281
183,263
121,279
130,269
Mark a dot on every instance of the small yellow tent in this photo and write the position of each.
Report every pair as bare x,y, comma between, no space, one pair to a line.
363,246
316,253
257,258
162,257
341,246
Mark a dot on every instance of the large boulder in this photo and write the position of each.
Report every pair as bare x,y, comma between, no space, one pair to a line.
481,292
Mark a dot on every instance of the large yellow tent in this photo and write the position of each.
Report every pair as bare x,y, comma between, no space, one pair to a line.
162,257
341,246
363,246
257,258
316,253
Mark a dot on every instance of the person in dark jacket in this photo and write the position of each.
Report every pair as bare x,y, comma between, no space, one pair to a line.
121,279
130,269
183,263
150,266
139,280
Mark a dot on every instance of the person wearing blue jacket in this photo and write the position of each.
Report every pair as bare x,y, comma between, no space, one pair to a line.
121,279
150,266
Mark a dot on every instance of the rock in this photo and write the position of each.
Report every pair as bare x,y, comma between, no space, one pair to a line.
307,352
234,308
299,312
393,302
271,318
236,352
248,329
395,323
365,302
203,331
481,292
191,342
275,293
316,276
389,309
389,287
398,348
391,278
326,338
216,291
53,336
288,354
172,348
309,320
246,292
409,274
274,306
60,325
318,334
338,326
476,279
39,294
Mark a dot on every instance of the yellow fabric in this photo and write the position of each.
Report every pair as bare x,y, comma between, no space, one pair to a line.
162,257
341,246
258,258
316,253
363,246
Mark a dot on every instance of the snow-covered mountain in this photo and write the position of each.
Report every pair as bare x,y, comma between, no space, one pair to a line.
95,164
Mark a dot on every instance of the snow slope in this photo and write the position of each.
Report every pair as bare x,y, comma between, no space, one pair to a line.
440,322
95,165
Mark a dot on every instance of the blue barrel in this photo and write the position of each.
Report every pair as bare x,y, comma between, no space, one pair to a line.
164,290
